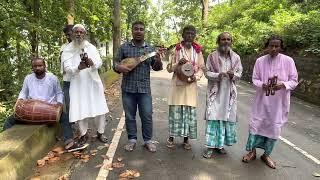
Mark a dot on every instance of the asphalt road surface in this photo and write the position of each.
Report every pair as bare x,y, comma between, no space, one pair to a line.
297,153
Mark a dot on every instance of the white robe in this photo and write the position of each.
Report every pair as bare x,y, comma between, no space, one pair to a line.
87,98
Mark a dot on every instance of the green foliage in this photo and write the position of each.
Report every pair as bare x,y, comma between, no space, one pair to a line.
251,21
21,26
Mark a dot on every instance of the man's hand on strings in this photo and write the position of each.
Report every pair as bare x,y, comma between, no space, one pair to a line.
182,61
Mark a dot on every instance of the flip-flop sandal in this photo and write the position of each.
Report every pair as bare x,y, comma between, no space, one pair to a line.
221,151
208,154
268,161
150,147
170,144
102,138
249,157
130,146
187,146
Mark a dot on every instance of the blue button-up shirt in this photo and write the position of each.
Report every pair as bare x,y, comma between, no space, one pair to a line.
137,80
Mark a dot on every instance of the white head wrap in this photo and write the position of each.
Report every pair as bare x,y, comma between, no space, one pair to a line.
79,26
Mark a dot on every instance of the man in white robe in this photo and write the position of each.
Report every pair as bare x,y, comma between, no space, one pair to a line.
87,100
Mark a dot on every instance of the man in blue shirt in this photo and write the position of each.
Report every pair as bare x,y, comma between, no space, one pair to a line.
136,91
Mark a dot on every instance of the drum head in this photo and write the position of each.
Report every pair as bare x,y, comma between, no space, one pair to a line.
187,69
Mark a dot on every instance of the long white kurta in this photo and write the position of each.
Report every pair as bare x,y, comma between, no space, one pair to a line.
87,98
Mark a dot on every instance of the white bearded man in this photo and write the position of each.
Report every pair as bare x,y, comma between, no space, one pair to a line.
87,100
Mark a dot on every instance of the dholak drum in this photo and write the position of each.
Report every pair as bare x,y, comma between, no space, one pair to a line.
37,112
184,71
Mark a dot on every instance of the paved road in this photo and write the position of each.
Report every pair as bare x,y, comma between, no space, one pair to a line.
302,129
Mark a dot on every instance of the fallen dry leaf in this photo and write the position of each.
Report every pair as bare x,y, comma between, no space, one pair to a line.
99,165
58,150
121,129
46,158
108,167
93,151
85,156
35,178
117,165
85,160
66,158
64,177
54,159
105,157
41,163
102,147
120,159
129,174
50,154
93,154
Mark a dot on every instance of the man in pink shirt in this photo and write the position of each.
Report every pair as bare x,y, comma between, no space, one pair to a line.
274,77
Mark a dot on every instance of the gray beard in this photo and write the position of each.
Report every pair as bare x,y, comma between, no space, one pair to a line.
79,43
224,49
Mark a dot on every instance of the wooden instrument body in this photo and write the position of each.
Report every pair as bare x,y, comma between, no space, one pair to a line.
133,62
184,71
37,112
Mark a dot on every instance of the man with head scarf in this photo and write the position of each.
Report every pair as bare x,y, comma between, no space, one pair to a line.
223,70
182,99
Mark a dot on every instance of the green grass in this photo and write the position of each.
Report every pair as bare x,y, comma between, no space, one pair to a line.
109,77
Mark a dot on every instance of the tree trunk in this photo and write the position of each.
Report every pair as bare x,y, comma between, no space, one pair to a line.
34,34
116,27
205,12
71,7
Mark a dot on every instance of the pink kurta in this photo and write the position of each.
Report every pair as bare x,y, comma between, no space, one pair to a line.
269,113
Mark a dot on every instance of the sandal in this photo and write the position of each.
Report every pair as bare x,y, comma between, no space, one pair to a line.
102,138
186,146
170,144
130,146
249,157
150,147
83,139
269,162
221,151
208,154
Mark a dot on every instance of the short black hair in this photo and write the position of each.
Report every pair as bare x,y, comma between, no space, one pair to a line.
274,37
67,28
221,34
136,23
38,58
189,28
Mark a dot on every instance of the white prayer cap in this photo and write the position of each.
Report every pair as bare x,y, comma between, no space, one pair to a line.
79,26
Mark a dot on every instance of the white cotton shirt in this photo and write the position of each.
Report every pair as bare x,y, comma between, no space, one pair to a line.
66,76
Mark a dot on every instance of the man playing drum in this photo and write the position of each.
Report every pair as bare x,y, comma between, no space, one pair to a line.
44,86
183,93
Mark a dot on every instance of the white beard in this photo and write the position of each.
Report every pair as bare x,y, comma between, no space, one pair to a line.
79,43
224,48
